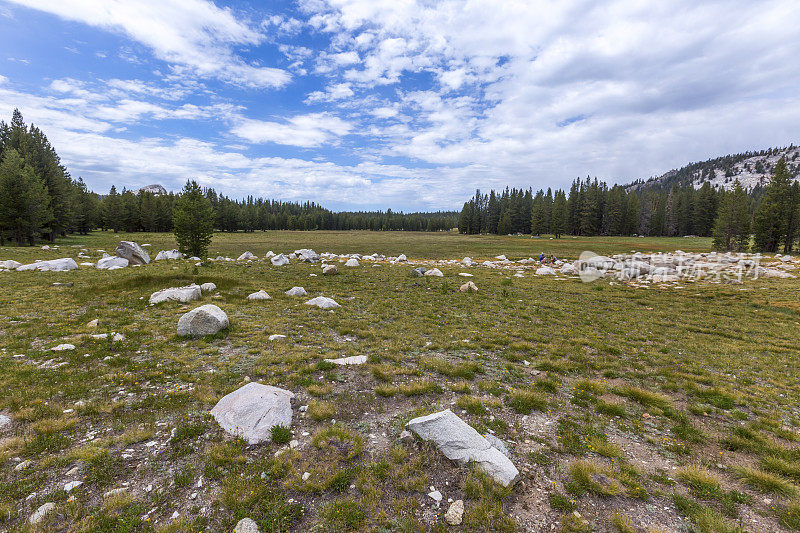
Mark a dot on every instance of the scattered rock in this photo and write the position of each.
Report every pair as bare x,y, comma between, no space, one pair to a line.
276,336
434,272
545,271
168,254
134,253
435,495
53,265
63,347
40,513
330,270
352,360
111,263
10,265
4,421
296,291
260,295
22,466
279,260
251,411
455,513
417,272
352,262
246,525
205,320
72,485
208,287
402,258
247,256
459,441
323,303
92,323
176,294
468,287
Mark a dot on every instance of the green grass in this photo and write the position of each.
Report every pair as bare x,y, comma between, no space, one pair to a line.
708,371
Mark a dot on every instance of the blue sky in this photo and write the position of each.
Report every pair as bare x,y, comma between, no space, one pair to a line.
408,104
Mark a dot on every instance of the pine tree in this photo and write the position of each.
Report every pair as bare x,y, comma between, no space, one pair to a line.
558,221
771,218
24,203
193,221
732,226
112,210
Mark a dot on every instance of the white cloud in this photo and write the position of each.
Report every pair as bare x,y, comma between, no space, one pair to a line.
314,129
337,91
195,35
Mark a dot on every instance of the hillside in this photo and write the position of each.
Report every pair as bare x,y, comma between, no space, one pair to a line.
752,169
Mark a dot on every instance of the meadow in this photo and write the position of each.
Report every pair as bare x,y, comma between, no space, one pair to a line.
668,408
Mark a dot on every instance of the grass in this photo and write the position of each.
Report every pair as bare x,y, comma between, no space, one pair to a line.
578,379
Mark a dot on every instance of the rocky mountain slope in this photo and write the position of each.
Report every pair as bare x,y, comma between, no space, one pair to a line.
752,169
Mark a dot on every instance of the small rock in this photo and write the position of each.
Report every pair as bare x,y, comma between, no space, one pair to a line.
69,487
330,270
435,495
352,360
296,291
455,513
63,347
434,272
260,295
468,287
323,303
276,336
41,512
306,475
246,525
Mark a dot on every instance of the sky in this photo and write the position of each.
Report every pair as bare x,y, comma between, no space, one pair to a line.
402,104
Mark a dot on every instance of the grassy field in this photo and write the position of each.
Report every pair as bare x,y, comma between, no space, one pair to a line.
413,244
625,409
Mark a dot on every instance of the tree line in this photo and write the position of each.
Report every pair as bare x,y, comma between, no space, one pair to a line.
766,219
39,200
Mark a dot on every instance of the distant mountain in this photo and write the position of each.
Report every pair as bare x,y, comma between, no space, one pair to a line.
155,189
752,169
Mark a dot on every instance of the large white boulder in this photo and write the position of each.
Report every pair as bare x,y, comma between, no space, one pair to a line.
352,262
459,441
251,411
545,271
246,256
433,272
168,254
10,264
111,262
205,320
177,294
296,291
53,265
323,302
279,260
132,252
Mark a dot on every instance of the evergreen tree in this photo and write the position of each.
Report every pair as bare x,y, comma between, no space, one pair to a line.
24,203
112,210
732,226
771,218
193,221
558,221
